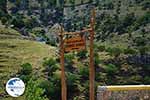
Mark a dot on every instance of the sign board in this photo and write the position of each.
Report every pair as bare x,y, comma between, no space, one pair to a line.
74,44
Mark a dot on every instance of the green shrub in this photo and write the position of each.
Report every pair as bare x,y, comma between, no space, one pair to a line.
50,65
140,41
143,20
33,91
69,58
146,68
52,86
4,20
72,79
25,78
135,79
146,80
72,83
95,47
69,62
49,62
146,5
84,72
143,50
50,89
109,49
114,51
111,69
17,21
82,54
101,48
130,51
98,48
96,59
26,69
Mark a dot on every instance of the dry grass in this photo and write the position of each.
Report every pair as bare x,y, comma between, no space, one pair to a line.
15,51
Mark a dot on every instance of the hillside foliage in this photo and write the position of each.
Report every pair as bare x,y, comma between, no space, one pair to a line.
29,44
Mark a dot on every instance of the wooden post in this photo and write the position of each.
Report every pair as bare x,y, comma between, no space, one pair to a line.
63,79
92,68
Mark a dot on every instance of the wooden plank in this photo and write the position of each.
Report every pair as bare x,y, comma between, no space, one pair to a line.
75,44
76,39
77,32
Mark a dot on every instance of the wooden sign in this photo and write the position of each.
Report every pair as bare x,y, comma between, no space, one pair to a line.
74,44
78,43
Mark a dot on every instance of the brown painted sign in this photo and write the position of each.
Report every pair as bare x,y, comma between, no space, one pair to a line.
74,44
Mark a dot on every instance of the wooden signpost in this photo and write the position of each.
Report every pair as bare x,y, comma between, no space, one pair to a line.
76,44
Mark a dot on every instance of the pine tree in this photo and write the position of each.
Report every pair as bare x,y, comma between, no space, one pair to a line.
3,6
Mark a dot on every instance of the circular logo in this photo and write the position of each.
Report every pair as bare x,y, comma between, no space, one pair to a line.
15,87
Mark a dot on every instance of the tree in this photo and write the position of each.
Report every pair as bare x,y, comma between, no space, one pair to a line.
52,3
141,43
143,20
126,24
146,5
17,21
30,22
26,72
26,69
107,26
24,4
129,19
50,65
3,5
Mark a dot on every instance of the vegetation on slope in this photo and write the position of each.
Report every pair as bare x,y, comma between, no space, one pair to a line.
122,46
15,51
